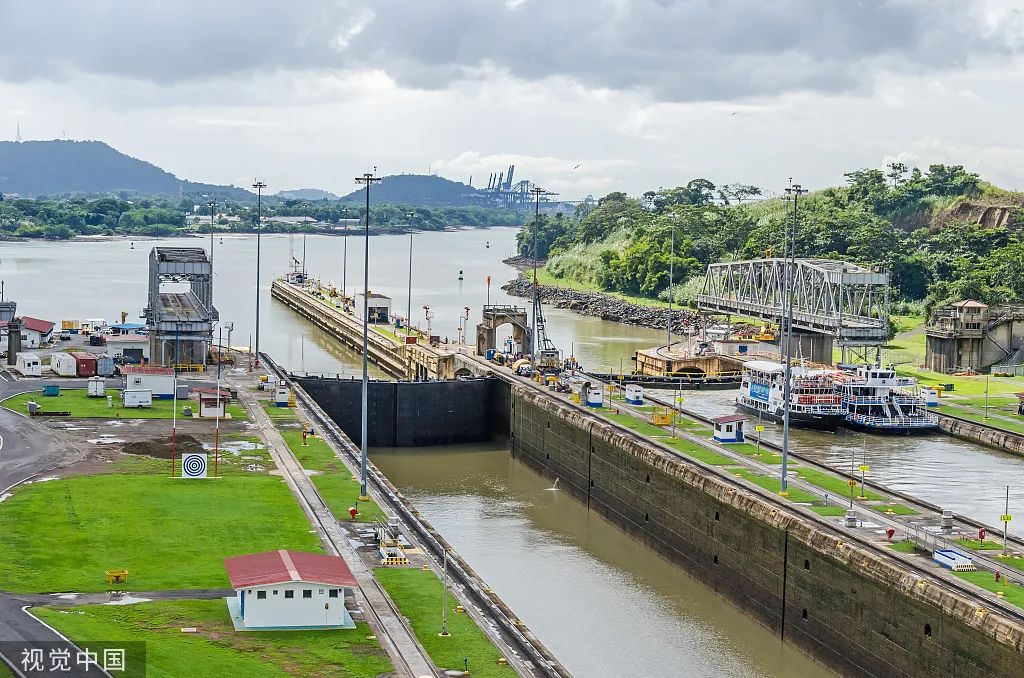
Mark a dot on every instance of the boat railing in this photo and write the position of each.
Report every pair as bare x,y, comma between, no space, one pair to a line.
864,400
926,420
808,399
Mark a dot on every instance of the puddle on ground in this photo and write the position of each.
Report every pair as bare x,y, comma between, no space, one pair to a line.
128,600
255,468
311,472
236,447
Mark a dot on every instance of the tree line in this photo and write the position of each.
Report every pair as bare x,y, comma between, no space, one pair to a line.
63,218
900,219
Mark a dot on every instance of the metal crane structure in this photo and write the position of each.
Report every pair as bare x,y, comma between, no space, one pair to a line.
832,300
501,192
180,323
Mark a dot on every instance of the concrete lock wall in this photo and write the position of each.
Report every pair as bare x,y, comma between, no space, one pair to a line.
852,609
413,414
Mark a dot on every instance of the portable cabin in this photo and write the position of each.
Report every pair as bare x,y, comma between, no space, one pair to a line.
595,396
289,589
159,380
86,363
63,364
97,387
104,365
211,407
137,397
126,328
634,394
28,365
729,429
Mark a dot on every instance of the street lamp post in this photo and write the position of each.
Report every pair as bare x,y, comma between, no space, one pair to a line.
408,314
537,193
367,179
671,281
213,208
259,186
344,257
305,227
789,262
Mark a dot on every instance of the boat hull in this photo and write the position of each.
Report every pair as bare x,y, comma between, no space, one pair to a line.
816,422
891,430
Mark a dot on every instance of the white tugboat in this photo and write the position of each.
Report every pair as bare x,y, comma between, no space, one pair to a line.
877,400
813,400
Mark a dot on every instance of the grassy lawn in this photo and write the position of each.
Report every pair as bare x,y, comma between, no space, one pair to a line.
62,535
897,509
418,595
967,386
979,417
217,649
977,545
697,452
1013,593
834,484
334,481
634,424
830,510
81,406
277,413
905,546
773,484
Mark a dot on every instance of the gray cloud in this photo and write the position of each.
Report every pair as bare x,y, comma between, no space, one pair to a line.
692,50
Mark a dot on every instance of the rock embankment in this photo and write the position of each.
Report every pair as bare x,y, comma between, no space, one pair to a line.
605,306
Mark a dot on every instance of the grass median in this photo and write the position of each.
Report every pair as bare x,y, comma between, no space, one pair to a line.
331,477
62,535
216,649
79,405
418,595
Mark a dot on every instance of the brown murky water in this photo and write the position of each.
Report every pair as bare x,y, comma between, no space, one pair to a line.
602,602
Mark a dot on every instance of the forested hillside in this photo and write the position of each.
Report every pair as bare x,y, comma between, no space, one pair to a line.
942,233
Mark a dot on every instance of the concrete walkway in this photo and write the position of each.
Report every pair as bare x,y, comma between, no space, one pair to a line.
409,658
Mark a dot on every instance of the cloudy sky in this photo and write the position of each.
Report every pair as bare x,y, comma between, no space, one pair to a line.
583,96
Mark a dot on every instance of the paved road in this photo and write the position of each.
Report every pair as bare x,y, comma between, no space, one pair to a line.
21,628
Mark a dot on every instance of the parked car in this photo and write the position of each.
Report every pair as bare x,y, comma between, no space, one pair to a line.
65,335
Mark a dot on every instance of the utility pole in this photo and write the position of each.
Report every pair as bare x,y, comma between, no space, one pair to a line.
367,179
305,227
444,599
408,314
537,192
789,263
259,186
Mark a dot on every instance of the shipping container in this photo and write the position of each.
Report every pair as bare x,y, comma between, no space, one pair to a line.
86,364
97,387
104,365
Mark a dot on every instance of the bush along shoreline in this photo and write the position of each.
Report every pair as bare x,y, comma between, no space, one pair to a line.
607,307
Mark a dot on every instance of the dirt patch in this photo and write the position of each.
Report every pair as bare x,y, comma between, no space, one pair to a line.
160,448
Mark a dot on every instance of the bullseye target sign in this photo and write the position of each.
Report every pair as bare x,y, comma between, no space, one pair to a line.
193,465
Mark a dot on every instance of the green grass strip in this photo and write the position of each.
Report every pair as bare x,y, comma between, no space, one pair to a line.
216,649
1012,593
81,406
62,535
418,595
835,485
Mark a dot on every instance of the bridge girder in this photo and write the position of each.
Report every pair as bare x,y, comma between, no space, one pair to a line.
836,298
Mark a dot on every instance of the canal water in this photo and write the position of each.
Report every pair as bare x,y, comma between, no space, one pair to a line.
969,478
101,279
603,603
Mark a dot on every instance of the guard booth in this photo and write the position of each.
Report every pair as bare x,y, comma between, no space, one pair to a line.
729,429
634,394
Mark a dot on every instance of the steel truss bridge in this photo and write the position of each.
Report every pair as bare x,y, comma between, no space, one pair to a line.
835,298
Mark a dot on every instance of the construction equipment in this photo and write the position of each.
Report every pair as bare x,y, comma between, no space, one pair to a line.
549,358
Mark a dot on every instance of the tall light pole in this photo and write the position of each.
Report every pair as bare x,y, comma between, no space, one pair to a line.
367,179
671,281
259,186
305,227
789,263
408,314
344,257
537,193
213,208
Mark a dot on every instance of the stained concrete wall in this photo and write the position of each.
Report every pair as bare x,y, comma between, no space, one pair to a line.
979,433
854,610
412,414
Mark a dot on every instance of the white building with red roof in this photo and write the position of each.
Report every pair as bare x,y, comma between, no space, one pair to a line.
35,332
159,380
289,590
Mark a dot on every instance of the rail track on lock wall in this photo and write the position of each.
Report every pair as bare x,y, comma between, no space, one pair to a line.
1003,607
529,655
902,496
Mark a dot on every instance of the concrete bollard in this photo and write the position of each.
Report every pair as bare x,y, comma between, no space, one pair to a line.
946,523
851,518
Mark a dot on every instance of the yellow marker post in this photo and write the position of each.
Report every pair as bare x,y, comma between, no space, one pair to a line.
864,468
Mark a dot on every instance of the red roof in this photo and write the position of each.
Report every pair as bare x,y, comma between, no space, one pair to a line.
729,418
281,567
202,390
36,325
146,369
